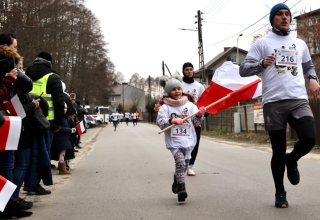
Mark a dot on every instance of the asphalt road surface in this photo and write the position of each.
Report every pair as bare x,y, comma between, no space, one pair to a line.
128,173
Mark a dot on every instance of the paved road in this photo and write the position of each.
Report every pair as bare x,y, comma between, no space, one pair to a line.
128,175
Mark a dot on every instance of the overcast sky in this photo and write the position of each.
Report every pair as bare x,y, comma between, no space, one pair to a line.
143,33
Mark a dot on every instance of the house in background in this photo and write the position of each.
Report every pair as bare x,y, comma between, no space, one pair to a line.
308,29
127,96
228,54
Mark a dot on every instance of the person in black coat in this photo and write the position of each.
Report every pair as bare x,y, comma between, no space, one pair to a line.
62,147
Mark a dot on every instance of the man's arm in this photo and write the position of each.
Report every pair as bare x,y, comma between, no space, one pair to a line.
251,66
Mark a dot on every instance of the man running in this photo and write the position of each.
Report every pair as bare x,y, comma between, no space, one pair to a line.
285,65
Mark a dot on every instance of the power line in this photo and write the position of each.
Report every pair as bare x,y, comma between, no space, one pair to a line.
244,29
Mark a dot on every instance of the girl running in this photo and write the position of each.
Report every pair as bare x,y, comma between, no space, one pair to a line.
180,139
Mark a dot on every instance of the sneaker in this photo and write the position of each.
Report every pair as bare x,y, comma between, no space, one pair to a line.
175,186
292,171
79,147
190,171
23,204
182,193
38,191
281,200
74,150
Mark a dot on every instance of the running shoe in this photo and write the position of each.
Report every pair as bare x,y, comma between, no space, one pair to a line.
281,200
190,170
292,171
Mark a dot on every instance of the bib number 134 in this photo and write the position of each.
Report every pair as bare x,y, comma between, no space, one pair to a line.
181,130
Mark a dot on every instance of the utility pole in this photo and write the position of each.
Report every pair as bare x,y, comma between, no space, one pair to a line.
163,73
200,49
201,58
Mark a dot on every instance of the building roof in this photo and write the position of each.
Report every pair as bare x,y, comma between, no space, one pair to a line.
117,88
227,51
311,13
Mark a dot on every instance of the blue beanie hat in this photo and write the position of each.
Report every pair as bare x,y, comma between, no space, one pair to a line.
276,8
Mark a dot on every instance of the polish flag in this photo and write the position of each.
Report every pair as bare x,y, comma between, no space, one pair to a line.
15,107
10,133
227,81
80,128
6,190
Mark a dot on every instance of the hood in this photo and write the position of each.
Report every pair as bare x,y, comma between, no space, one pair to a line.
6,52
40,68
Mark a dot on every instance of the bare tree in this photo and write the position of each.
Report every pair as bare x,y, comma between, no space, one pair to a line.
119,77
308,29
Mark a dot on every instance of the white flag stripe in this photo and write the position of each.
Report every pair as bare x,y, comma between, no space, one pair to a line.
18,106
82,127
6,193
227,75
14,133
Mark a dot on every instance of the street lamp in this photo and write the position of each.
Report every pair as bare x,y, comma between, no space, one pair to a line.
238,50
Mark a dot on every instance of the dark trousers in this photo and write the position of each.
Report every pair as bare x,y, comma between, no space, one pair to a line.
196,147
306,131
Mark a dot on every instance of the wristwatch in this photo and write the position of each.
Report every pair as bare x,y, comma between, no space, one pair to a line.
313,77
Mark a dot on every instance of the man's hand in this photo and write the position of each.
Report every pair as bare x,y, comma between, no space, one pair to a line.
268,60
314,88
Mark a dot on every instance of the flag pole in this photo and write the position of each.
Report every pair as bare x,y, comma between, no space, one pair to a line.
190,116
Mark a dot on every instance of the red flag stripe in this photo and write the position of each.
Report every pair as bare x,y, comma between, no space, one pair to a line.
4,131
215,92
2,182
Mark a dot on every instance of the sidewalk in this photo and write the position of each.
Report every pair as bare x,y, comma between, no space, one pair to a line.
87,141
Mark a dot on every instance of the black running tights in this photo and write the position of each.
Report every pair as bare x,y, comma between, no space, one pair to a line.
195,149
306,132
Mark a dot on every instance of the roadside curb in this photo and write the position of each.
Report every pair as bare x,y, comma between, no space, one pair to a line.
85,142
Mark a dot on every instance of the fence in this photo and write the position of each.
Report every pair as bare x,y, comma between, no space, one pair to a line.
224,120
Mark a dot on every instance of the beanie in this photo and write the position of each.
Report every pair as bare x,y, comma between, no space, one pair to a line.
45,55
172,83
276,8
78,102
185,65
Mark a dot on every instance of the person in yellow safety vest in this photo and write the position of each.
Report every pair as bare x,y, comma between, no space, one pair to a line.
47,84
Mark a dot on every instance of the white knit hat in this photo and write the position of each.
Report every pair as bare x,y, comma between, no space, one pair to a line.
172,83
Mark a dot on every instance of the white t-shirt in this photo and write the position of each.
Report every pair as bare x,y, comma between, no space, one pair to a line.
121,116
134,116
175,143
194,88
127,115
281,82
114,116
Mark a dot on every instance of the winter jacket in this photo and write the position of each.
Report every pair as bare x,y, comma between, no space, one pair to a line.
40,68
26,128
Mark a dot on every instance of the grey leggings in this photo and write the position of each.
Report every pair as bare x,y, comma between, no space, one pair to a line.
181,166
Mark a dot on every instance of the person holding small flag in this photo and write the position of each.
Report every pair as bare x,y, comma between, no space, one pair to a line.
285,65
180,139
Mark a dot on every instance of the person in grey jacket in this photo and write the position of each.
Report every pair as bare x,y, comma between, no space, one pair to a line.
285,65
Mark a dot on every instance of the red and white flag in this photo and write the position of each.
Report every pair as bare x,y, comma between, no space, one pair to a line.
15,107
10,133
80,128
6,190
227,80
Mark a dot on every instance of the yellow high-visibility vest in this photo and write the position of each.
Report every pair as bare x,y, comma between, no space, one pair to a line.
40,88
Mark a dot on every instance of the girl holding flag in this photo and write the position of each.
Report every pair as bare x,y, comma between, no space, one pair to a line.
181,139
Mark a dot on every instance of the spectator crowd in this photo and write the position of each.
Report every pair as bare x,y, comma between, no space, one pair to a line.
48,127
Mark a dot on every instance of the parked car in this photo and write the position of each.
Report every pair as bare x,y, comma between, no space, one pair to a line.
90,121
99,119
